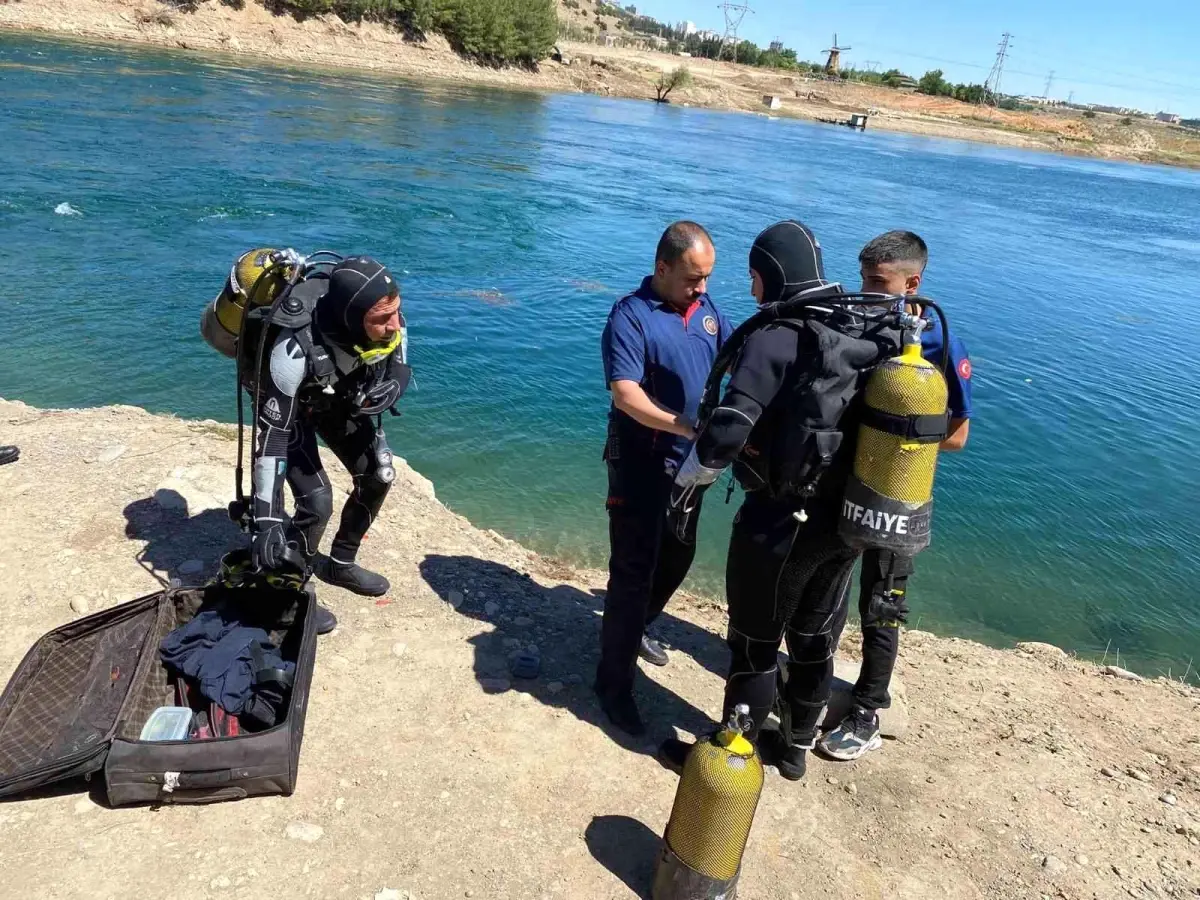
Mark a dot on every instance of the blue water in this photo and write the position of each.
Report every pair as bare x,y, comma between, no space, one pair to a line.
515,220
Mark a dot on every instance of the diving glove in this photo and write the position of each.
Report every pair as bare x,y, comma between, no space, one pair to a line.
268,546
386,393
692,480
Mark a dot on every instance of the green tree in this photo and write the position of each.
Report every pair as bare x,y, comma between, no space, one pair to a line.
667,82
933,84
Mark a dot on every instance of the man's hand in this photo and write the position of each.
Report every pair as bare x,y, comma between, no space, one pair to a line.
682,508
630,398
956,435
268,546
387,393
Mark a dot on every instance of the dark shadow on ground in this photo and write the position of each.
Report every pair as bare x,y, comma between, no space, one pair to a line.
564,624
94,788
173,538
705,647
625,847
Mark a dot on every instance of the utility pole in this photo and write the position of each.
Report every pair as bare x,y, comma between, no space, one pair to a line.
1070,98
991,87
734,13
1049,81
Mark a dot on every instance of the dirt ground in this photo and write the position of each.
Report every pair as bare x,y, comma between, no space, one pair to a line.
428,772
327,41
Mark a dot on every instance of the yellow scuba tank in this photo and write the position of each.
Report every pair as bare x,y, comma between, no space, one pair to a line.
221,321
701,856
888,504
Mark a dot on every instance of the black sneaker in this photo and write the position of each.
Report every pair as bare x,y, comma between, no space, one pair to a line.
673,753
9,454
652,652
775,750
856,736
326,620
622,711
352,577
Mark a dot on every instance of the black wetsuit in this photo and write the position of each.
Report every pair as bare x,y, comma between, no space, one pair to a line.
788,571
294,410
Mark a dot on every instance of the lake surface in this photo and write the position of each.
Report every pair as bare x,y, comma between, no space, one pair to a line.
131,180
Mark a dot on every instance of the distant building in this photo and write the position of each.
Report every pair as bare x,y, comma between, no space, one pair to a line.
776,47
689,28
708,35
770,101
1169,118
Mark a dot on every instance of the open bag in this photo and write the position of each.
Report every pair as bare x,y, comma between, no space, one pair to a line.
77,703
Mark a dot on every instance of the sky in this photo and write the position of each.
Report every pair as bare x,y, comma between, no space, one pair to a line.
1101,51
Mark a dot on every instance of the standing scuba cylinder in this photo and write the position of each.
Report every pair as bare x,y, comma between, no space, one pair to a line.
701,857
221,321
888,503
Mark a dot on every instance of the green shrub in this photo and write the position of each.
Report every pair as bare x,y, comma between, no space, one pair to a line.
492,31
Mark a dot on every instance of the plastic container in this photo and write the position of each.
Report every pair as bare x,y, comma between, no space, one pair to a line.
168,723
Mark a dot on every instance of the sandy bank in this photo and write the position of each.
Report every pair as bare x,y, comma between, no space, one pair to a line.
427,770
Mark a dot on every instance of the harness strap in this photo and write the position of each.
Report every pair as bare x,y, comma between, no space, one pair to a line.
927,429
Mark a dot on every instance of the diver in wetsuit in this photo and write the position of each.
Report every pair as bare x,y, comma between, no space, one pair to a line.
333,379
788,423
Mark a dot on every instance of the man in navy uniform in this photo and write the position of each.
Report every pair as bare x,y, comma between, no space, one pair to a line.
658,347
894,263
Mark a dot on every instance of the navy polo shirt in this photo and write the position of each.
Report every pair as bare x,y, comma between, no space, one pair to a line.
958,366
670,355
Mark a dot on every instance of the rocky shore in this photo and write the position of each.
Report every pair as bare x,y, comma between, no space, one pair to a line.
428,771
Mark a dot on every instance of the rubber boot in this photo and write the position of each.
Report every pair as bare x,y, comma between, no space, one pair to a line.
352,577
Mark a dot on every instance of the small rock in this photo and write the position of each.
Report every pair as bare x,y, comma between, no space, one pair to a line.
522,621
445,795
79,605
305,831
852,789
555,687
1081,859
389,894
1168,799
1119,872
495,685
77,571
1118,672
191,567
456,599
399,649
1052,864
1145,829
110,454
221,882
511,643
575,678
1047,652
491,608
171,500
1137,775
1108,772
932,779
833,781
533,648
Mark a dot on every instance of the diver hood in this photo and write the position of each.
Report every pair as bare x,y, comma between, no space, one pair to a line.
355,285
787,257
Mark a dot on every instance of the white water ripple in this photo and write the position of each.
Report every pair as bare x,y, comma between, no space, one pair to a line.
66,209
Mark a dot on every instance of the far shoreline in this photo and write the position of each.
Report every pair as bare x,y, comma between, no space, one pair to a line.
327,44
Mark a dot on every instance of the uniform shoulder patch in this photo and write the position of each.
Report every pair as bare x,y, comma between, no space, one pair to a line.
710,325
964,369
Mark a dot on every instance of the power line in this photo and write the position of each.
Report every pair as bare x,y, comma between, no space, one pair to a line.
734,13
991,87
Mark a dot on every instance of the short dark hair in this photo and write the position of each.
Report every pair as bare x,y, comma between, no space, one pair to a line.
678,239
896,247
